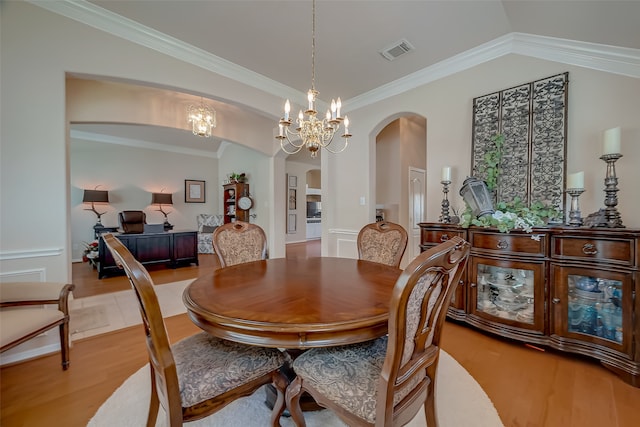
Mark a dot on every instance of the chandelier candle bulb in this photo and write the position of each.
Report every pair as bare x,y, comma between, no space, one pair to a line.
575,180
612,141
446,173
287,109
310,98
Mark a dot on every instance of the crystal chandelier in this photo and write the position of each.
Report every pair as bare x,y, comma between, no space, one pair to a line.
202,119
313,132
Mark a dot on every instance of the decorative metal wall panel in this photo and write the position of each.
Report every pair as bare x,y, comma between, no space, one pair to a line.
532,118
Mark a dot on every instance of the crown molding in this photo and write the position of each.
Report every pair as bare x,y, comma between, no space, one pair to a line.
119,26
612,59
478,55
98,137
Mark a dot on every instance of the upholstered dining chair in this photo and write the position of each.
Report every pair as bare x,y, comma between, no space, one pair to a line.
26,311
238,242
385,382
383,242
132,221
200,374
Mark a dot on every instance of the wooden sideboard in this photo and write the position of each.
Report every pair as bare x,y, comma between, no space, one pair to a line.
573,289
172,248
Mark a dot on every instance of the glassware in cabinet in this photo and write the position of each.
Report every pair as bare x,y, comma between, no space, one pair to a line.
595,306
506,292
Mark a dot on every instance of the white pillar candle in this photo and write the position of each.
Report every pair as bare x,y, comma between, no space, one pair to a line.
446,173
575,180
612,141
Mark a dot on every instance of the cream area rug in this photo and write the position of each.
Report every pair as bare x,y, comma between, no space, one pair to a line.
108,312
460,402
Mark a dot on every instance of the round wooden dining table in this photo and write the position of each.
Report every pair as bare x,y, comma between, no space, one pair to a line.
294,303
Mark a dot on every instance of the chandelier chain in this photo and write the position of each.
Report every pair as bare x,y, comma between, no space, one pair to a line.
313,47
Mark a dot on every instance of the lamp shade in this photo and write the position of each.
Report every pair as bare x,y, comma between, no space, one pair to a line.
161,199
95,196
476,194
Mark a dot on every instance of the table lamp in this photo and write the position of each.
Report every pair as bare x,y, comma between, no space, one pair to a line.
96,196
160,199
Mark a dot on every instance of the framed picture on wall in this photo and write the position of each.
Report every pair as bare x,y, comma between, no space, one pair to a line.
193,191
292,199
293,181
291,226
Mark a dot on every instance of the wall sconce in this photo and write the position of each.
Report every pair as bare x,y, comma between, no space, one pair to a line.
476,195
160,199
96,196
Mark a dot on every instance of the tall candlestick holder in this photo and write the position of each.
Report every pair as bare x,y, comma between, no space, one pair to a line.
444,217
611,188
574,214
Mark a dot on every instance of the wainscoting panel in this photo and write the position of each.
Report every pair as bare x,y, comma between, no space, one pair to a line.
345,243
33,275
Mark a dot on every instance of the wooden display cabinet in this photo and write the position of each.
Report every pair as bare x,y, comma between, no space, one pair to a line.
232,192
568,288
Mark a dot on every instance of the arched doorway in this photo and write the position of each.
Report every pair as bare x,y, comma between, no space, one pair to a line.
400,175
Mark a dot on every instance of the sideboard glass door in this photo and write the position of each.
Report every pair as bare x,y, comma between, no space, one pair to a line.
592,306
508,294
595,307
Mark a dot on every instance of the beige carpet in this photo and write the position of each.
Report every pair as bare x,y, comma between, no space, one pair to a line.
460,402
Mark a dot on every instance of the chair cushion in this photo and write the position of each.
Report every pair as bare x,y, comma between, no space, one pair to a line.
346,375
209,228
30,291
208,219
380,247
16,323
208,366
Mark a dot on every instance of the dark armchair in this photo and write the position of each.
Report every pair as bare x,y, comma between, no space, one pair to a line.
132,221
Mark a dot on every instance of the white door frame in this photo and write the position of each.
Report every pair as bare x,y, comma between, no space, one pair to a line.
417,189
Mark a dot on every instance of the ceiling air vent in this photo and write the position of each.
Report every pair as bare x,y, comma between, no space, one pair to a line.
397,49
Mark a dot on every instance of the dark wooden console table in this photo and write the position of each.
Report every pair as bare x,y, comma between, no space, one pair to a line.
173,248
574,289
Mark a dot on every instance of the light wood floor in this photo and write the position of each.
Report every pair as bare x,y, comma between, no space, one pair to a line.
527,386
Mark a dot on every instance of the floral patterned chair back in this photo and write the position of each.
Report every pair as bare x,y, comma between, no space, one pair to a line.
383,242
239,242
386,381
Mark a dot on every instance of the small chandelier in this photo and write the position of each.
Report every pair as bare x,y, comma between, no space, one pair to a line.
313,132
202,119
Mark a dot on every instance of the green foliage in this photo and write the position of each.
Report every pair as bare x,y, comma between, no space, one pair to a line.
492,159
513,215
